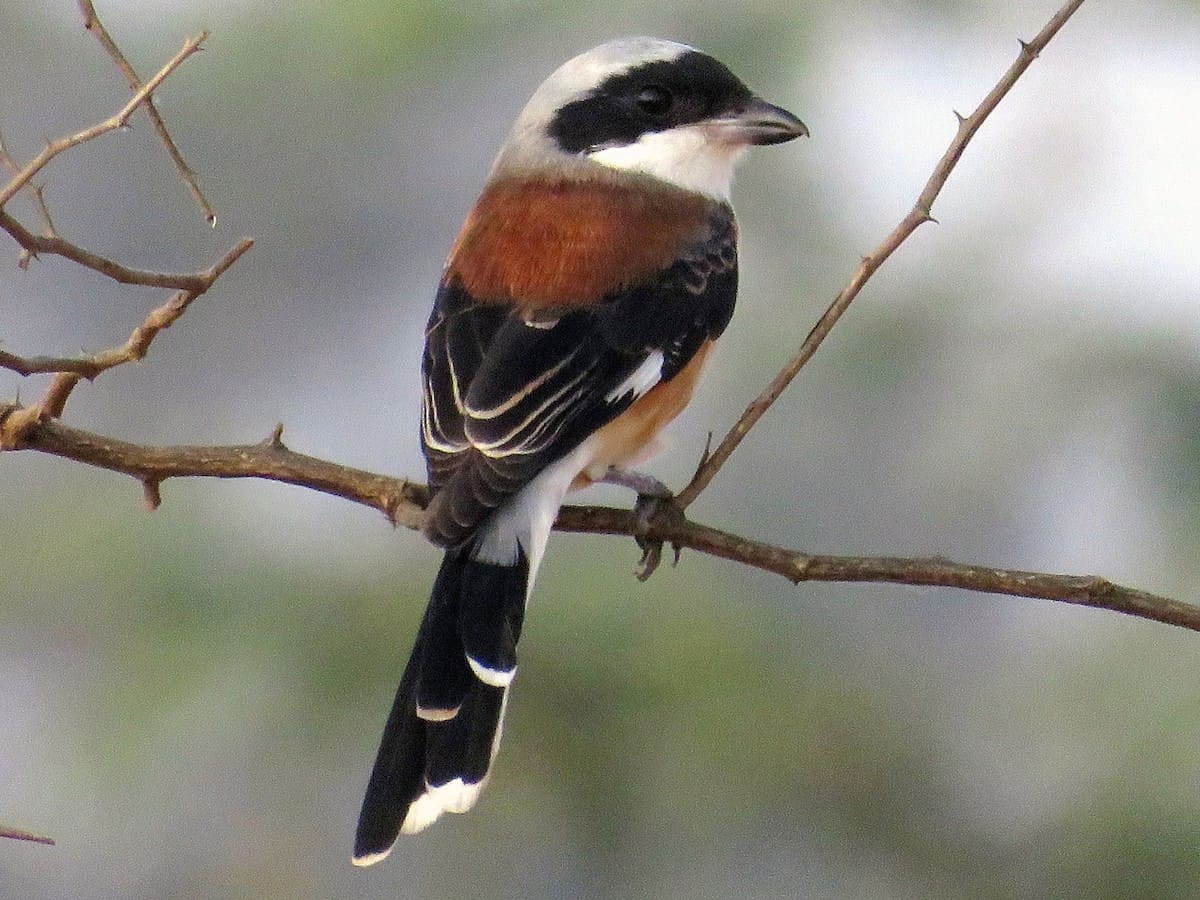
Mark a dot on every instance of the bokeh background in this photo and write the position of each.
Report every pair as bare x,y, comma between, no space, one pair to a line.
190,700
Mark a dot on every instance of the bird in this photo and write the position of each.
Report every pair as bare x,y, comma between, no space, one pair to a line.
577,308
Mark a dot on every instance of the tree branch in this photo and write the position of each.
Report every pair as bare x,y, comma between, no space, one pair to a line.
135,347
917,216
118,120
70,369
39,199
18,834
53,245
93,24
403,503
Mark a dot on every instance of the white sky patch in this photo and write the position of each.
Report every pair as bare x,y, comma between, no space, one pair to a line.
1088,172
1139,225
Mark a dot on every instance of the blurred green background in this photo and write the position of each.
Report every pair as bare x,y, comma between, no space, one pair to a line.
190,700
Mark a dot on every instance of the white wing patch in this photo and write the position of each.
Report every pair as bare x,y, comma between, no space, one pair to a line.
640,380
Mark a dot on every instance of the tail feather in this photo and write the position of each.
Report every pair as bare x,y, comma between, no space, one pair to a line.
490,615
463,747
444,727
443,676
398,776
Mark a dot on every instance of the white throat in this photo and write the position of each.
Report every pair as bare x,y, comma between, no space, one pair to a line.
687,156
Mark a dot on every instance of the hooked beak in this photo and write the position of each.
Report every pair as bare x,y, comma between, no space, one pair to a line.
758,122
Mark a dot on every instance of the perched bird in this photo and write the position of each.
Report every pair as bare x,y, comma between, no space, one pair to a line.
574,316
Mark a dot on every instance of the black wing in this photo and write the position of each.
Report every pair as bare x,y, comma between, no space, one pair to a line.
503,397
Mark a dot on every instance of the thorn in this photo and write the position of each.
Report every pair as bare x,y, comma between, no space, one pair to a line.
962,120
926,216
275,439
212,221
1027,47
151,496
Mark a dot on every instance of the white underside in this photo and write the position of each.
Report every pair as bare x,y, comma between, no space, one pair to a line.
524,520
688,156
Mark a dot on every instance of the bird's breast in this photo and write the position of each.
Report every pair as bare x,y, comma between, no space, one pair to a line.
545,244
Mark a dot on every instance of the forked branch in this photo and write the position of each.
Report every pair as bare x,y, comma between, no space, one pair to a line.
35,428
92,23
112,123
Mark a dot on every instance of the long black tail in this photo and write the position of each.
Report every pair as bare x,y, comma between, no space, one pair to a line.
444,727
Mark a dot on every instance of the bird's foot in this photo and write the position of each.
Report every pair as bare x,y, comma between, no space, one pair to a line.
654,510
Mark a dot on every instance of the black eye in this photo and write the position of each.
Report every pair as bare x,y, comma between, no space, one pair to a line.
654,100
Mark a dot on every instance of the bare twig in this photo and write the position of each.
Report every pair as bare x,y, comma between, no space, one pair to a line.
93,24
68,371
35,428
119,120
403,503
18,834
56,246
918,215
71,369
39,199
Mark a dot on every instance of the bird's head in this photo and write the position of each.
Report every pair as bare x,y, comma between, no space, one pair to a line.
647,106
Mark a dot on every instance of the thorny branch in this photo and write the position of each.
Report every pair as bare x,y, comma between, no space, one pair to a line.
39,199
93,24
919,215
52,245
16,421
403,501
112,123
135,347
188,286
